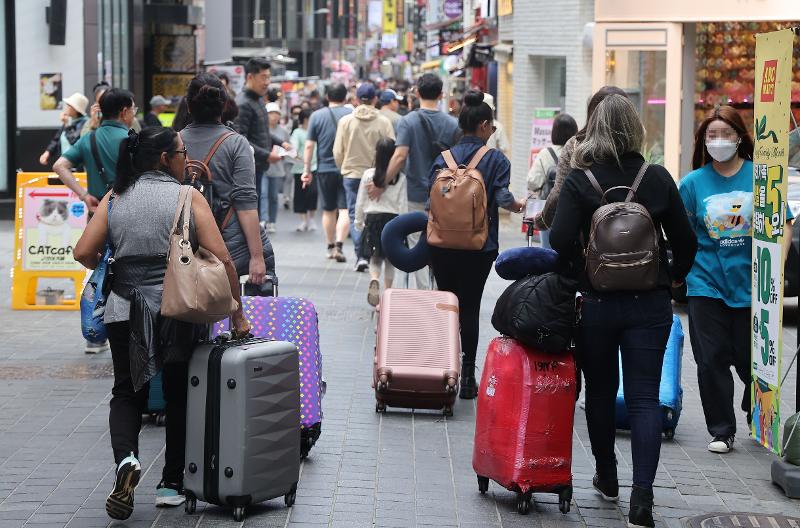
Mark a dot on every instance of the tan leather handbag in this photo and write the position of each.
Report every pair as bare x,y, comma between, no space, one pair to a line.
196,286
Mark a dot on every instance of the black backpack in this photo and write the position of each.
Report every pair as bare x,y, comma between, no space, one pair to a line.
550,176
538,311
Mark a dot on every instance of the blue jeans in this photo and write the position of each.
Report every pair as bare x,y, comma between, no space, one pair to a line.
351,186
637,324
268,204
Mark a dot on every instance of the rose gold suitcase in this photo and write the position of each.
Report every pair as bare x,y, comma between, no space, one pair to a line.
417,355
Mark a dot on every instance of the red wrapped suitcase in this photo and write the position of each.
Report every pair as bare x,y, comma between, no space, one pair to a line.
523,431
417,356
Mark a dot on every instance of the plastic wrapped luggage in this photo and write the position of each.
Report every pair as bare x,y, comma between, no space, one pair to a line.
670,393
417,355
523,430
242,439
294,320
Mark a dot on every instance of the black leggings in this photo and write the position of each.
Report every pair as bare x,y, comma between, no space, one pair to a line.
464,273
127,406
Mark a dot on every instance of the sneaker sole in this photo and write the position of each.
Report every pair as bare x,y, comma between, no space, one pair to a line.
93,351
723,451
373,294
119,504
606,497
167,502
631,525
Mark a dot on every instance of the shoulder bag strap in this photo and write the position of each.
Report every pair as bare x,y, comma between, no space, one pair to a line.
333,118
637,181
449,160
593,181
216,145
96,155
179,208
109,243
553,155
427,126
478,157
187,213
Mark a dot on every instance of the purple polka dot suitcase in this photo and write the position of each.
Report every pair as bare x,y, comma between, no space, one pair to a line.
294,320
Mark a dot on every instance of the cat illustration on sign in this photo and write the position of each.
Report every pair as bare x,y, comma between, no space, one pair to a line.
52,217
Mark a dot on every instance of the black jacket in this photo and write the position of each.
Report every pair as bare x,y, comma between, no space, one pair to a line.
73,131
253,123
658,193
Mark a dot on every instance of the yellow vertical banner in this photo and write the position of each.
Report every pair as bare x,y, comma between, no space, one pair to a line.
505,7
389,16
773,71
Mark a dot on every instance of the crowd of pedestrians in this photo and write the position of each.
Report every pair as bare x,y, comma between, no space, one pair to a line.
365,157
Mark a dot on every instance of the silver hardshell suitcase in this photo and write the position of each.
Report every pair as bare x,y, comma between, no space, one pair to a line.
242,439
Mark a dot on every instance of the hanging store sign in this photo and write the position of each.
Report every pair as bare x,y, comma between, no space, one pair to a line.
390,16
770,180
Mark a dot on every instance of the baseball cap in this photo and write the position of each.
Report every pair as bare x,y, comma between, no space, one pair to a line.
159,100
389,95
274,107
366,92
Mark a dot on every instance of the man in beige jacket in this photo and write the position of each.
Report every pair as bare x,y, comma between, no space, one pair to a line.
354,152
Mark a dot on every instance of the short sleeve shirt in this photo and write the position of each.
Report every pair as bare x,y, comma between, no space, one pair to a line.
720,211
322,129
109,135
412,133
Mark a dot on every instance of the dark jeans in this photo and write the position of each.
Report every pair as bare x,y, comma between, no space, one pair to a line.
720,337
464,273
127,407
638,326
351,186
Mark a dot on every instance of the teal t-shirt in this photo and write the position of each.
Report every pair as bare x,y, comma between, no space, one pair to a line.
721,213
109,135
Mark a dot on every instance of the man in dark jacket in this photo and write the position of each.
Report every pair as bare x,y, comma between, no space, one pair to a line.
253,121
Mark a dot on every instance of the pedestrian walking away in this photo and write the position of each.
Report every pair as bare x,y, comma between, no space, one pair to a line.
305,196
373,215
235,202
421,137
98,152
72,120
354,152
390,104
718,195
253,121
322,134
464,272
143,343
277,172
636,320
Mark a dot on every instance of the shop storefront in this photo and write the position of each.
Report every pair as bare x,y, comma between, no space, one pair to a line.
678,60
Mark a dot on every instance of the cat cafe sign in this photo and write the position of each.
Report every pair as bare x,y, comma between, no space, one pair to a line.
53,219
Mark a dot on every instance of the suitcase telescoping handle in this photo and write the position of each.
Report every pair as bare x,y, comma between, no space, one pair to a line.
244,279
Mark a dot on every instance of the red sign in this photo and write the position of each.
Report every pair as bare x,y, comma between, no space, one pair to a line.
768,81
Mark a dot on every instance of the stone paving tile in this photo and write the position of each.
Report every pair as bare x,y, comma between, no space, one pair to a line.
399,469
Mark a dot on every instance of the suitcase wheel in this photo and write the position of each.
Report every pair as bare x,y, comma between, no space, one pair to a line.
483,484
669,434
380,407
190,506
383,385
448,410
564,500
161,419
524,503
238,513
305,446
288,499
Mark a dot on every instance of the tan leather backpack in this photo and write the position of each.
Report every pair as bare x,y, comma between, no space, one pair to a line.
457,218
622,253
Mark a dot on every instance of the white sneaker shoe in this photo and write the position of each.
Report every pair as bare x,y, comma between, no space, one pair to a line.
119,504
721,444
312,226
271,228
96,348
302,228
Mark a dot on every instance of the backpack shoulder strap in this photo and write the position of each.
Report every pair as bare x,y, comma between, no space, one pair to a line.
449,160
553,155
220,140
637,181
593,181
478,157
96,155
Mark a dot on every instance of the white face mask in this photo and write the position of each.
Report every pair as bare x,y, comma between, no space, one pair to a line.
722,150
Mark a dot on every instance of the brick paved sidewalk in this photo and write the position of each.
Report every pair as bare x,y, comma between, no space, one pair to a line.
399,469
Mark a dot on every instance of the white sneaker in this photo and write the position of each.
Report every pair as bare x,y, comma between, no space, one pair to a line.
721,444
361,266
302,228
271,228
312,226
96,348
119,504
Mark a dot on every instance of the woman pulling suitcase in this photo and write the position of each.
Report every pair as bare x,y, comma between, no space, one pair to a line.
625,307
145,195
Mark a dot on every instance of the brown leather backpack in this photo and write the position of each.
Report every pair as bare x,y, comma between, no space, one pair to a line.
622,253
458,203
198,175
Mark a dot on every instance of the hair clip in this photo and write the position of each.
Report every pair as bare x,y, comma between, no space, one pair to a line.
133,141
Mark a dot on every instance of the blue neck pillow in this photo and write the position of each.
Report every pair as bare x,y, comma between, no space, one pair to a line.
517,263
393,242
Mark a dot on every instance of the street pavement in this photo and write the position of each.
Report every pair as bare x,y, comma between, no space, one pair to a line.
398,469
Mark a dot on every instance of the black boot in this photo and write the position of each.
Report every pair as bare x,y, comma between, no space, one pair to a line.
641,514
605,481
469,386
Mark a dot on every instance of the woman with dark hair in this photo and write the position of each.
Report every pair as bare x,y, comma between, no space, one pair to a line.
634,324
718,196
233,170
305,196
143,343
464,272
372,215
564,167
182,117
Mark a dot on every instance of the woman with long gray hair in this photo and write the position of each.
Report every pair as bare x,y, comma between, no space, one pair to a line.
637,323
